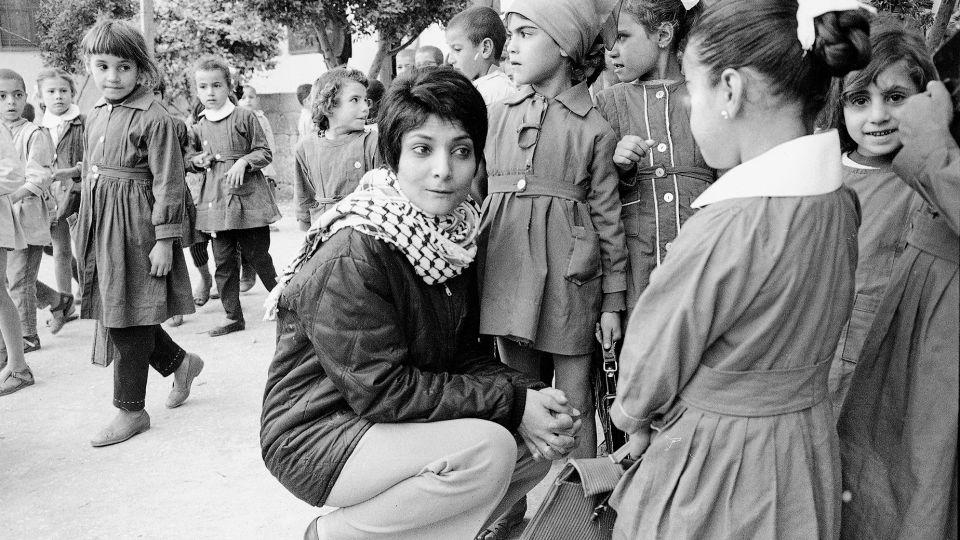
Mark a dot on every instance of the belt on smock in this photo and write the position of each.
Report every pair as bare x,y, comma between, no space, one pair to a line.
525,186
757,393
123,173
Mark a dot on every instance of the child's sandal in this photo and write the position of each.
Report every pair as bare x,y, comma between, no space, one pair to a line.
15,381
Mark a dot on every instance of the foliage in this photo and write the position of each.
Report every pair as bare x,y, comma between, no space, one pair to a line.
914,13
62,23
189,29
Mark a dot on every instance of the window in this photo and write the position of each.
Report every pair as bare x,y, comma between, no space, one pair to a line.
18,24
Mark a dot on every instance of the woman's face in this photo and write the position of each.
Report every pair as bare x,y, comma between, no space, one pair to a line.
437,165
711,131
866,112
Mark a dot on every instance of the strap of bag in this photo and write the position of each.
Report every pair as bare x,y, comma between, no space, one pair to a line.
606,393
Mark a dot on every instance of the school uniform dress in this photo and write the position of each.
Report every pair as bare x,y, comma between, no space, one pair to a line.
35,149
11,179
656,194
898,426
326,170
132,195
552,247
885,202
238,218
727,354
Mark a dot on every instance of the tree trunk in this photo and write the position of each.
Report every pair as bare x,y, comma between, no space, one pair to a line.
329,55
146,23
940,23
381,60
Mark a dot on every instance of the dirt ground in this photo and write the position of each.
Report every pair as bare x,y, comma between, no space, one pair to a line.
197,473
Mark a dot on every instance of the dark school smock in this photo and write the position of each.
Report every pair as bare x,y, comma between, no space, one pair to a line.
657,194
885,204
68,152
227,135
727,354
552,253
898,426
132,195
327,170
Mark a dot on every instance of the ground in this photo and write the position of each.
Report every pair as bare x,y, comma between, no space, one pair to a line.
197,473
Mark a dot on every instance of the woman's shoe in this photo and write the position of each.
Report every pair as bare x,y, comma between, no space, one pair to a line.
235,326
191,366
121,429
311,532
16,381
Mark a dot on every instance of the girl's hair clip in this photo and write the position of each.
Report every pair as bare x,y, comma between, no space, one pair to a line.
689,4
808,10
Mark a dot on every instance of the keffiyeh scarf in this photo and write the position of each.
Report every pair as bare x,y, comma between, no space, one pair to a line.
438,247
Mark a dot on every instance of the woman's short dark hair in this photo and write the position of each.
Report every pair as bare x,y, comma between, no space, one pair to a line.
762,35
889,45
434,91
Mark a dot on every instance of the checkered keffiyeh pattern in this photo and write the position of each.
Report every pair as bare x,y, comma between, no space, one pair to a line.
438,247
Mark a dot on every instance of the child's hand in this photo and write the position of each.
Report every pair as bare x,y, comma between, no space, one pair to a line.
639,442
926,112
201,160
235,175
629,151
161,257
609,332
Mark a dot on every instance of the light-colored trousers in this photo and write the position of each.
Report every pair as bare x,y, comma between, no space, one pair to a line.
435,480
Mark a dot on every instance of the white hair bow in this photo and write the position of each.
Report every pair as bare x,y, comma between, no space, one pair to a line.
811,9
689,4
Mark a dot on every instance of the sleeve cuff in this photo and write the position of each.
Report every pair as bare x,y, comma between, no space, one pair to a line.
625,422
169,230
613,302
516,410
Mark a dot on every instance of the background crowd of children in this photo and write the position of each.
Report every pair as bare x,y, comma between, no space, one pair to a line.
586,190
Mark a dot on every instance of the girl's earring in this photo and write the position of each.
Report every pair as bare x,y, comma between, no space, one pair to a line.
724,114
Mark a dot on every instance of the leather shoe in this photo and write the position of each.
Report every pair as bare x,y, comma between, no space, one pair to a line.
192,366
311,532
121,430
235,326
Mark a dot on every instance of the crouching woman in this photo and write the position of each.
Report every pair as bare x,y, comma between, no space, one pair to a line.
380,399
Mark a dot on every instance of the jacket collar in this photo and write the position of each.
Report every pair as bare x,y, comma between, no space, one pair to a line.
141,98
802,167
219,114
576,99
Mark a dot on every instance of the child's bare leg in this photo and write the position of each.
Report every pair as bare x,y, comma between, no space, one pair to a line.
10,324
573,377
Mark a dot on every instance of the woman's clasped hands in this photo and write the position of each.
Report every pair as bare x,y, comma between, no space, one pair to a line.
550,424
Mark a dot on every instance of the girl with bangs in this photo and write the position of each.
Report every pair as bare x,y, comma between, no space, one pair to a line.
131,213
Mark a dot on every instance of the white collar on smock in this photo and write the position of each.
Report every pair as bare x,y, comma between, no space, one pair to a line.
221,113
801,167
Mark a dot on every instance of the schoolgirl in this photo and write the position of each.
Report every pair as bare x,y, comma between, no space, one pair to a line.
15,374
64,123
236,203
898,425
661,168
331,159
900,66
553,261
36,153
723,381
134,275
